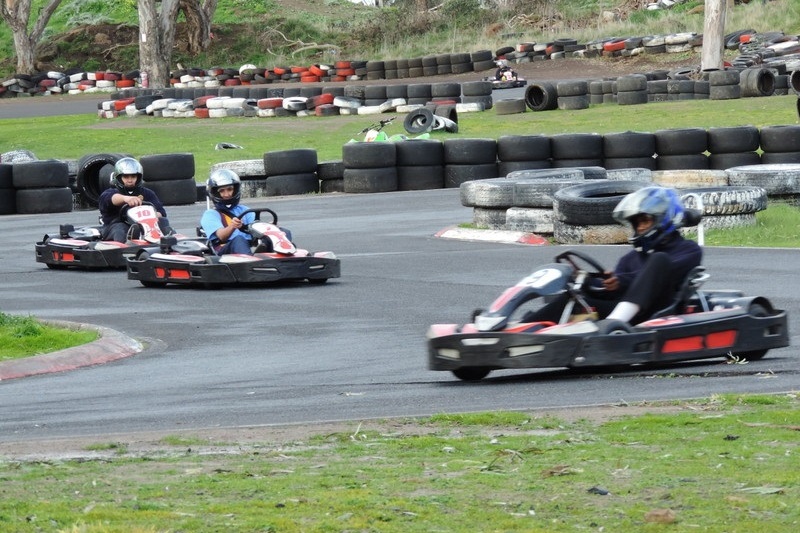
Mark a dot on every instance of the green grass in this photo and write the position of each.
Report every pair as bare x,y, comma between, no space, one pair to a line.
25,336
725,464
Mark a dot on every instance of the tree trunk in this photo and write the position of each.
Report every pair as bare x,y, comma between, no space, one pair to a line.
157,39
198,23
711,56
16,13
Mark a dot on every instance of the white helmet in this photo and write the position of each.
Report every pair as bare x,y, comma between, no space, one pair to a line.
125,167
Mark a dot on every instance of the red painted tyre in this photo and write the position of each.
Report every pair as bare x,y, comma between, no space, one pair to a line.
614,45
201,112
124,84
269,103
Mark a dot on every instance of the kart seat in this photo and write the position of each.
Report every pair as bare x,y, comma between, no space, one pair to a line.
696,277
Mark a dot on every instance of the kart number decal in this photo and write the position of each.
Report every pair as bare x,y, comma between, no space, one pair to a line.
540,278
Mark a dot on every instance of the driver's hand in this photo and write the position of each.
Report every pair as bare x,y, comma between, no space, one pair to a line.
610,281
236,223
132,201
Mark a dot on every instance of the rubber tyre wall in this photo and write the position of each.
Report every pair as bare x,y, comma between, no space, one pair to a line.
175,192
8,195
370,180
168,167
296,161
40,174
419,152
417,178
592,202
573,146
292,184
455,175
369,155
45,200
470,151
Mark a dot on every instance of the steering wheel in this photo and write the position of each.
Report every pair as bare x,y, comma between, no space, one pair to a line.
123,210
258,215
579,261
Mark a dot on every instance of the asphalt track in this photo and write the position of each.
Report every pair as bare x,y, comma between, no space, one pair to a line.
351,349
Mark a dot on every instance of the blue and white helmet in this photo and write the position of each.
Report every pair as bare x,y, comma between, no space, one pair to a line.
663,204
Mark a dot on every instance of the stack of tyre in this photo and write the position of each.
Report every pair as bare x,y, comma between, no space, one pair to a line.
171,177
369,167
250,171
469,159
682,148
522,152
420,164
40,186
291,172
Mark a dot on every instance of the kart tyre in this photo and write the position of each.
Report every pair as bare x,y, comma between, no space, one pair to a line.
491,218
523,148
88,180
541,96
682,162
419,121
540,192
530,219
8,201
734,139
681,141
613,327
576,146
367,155
564,233
420,152
297,161
455,175
591,203
470,151
726,161
755,310
168,167
369,180
417,178
510,106
50,200
492,193
330,170
292,184
49,173
474,373
730,200
629,144
175,192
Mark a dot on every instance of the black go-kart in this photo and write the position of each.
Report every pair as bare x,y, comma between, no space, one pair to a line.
697,325
83,248
275,258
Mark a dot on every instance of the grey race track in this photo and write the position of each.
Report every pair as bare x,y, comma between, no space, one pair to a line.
351,349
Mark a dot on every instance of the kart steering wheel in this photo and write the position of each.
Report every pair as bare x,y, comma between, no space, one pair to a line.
123,210
579,261
257,212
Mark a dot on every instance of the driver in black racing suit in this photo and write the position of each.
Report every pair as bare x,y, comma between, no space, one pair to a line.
645,279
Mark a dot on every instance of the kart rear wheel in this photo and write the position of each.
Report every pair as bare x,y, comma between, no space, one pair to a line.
756,310
471,373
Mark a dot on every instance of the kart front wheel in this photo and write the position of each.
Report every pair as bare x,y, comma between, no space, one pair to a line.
758,311
471,373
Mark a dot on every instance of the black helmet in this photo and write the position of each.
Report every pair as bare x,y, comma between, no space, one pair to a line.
223,178
663,204
125,167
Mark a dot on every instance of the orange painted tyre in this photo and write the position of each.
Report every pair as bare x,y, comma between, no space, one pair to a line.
316,71
231,82
344,72
99,75
614,45
201,112
280,71
309,78
341,64
122,84
269,103
122,103
298,70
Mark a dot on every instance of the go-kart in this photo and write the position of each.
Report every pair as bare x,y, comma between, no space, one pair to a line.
275,258
507,82
697,325
83,247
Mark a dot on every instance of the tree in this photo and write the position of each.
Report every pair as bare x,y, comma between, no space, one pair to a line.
157,39
711,56
198,23
17,13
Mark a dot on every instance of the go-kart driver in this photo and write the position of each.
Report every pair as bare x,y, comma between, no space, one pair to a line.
222,224
127,191
504,72
645,279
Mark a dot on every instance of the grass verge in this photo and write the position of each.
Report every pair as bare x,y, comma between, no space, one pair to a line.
24,336
725,464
